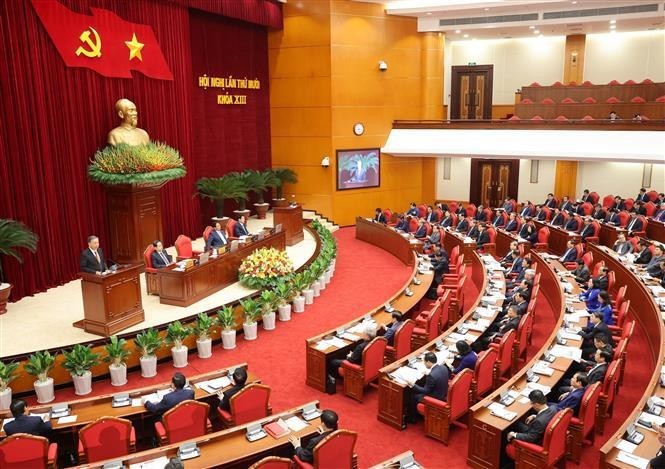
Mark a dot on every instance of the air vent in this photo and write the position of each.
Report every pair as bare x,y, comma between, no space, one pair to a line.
489,19
553,15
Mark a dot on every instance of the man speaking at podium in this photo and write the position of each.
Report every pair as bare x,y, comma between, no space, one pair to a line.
92,258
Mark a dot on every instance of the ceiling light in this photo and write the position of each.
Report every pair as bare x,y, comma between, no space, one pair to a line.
613,21
536,32
429,13
613,26
574,2
466,35
532,27
457,31
540,35
486,9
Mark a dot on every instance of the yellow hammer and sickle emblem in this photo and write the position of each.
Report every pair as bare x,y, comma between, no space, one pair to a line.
95,47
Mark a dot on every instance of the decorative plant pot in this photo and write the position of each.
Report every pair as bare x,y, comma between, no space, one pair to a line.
118,374
279,202
148,366
309,296
285,312
241,212
179,356
322,282
82,384
5,290
269,321
261,210
5,398
328,275
250,330
44,391
317,288
333,264
299,304
229,339
204,347
222,221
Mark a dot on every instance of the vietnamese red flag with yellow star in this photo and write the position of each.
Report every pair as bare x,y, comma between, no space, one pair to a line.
103,41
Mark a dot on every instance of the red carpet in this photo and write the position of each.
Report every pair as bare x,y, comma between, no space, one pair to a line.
365,277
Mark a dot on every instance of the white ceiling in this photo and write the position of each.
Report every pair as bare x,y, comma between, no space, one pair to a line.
429,12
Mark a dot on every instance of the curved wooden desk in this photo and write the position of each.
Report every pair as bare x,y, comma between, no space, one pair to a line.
388,239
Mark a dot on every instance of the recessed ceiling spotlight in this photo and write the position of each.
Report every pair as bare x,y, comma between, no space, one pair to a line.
574,2
457,31
429,13
613,26
486,9
532,27
466,35
536,31
613,21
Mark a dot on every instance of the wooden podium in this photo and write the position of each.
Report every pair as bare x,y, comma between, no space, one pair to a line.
111,302
291,220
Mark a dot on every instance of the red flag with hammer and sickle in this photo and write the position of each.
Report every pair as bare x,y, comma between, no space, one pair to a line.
103,42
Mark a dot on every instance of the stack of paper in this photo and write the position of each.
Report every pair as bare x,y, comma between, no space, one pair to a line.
158,463
572,353
543,368
455,336
213,385
322,345
633,460
626,446
350,337
533,387
295,423
337,342
499,410
656,420
406,374
485,312
155,397
570,335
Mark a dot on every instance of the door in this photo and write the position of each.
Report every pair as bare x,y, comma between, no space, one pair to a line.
471,92
493,180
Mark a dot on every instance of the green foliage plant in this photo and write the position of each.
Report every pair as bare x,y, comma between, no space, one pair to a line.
80,359
148,342
39,365
116,351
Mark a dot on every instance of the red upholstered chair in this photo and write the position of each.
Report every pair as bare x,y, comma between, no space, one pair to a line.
587,208
483,374
438,214
646,81
620,355
402,343
573,265
587,118
624,218
516,118
596,268
553,449
452,207
543,239
620,319
230,228
536,118
607,393
422,210
568,101
185,421
547,212
638,99
490,248
106,438
252,403
650,208
388,215
547,101
634,240
629,203
454,217
580,430
611,280
557,84
522,340
535,83
440,414
618,299
589,100
593,239
660,99
561,118
643,232
629,82
471,210
524,101
614,82
356,377
608,201
580,223
335,451
594,197
430,327
206,233
504,360
272,462
152,285
488,214
183,247
23,451
587,83
612,100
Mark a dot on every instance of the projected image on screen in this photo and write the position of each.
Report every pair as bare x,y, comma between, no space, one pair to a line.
357,169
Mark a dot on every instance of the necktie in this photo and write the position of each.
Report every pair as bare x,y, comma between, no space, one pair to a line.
166,261
97,257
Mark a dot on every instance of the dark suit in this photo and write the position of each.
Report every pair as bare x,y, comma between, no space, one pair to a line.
461,211
659,461
634,225
448,221
623,248
380,218
539,215
570,255
421,232
463,226
403,225
643,257
603,282
480,215
430,217
88,262
659,215
306,454
483,238
390,333
510,325
572,225
473,232
240,230
596,373
586,232
158,261
642,197
586,198
619,206
532,237
550,203
599,214
653,267
571,401
413,212
356,358
557,220
535,430
225,403
170,400
526,211
588,333
31,424
217,239
613,218
581,274
511,226
498,221
436,384
565,205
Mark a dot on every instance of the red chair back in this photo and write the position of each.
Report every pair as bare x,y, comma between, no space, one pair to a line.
438,214
335,451
588,259
587,413
452,206
523,329
621,294
629,203
272,462
622,312
594,197
547,212
608,201
633,241
459,394
597,267
147,256
580,223
653,195
230,228
628,331
611,280
492,234
596,228
22,451
623,218
587,208
403,339
610,382
554,441
185,421
453,254
373,358
471,210
183,246
484,371
488,214
650,208
506,351
106,438
543,235
413,225
206,233
422,210
388,215
252,403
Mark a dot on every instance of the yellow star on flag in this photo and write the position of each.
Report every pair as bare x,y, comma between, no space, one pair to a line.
134,48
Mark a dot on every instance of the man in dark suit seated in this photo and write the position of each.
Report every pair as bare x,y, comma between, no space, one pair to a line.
654,264
460,209
550,202
639,208
511,225
634,224
436,385
622,246
413,210
595,328
176,396
660,214
391,329
379,217
92,259
447,219
515,266
421,232
239,378
572,225
473,229
557,218
586,197
526,209
498,329
612,217
480,214
498,218
240,228
430,216
403,223
565,203
540,214
597,372
533,428
217,238
573,398
355,356
462,224
642,196
507,205
483,236
643,256
618,204
571,252
507,260
659,461
159,257
599,213
660,199
587,229
603,279
328,425
581,273
24,422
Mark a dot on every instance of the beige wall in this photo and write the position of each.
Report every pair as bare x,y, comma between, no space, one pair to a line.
624,179
625,56
536,192
457,188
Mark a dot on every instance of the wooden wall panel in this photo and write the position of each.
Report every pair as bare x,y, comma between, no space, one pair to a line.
565,179
499,111
573,64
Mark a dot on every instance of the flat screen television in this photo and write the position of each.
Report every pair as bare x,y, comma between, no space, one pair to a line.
358,169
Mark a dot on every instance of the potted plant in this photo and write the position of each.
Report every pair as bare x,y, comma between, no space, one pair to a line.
252,311
202,327
308,290
243,191
285,176
218,190
7,375
116,357
268,300
300,283
13,235
227,321
175,334
78,361
257,183
148,342
284,293
39,364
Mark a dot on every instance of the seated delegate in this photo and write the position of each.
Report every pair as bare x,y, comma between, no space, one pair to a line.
176,396
239,378
329,421
217,238
436,385
24,422
159,257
